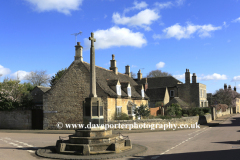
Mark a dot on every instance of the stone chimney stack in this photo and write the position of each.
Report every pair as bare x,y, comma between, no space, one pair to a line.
114,65
127,70
229,87
139,75
225,86
235,89
78,52
194,78
187,76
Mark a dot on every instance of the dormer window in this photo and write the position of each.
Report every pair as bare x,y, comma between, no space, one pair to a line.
129,91
118,89
142,91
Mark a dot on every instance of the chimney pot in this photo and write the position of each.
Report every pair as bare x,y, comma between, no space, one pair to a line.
127,70
194,78
139,75
187,77
113,65
78,52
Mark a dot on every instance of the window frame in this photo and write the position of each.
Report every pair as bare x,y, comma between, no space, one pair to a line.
118,90
171,91
117,110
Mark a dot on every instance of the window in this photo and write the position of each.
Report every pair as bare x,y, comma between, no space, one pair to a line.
118,88
131,110
142,91
129,91
200,93
119,110
172,93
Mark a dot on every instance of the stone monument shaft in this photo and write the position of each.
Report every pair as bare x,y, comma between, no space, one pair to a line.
92,67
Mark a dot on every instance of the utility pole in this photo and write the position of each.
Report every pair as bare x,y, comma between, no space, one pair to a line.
76,34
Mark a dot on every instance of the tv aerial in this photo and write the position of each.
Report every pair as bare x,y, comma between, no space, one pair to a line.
76,34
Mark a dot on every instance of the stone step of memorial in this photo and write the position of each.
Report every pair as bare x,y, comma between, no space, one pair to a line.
93,140
101,152
92,133
94,147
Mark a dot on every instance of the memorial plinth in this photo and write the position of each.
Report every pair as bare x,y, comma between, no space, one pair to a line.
89,142
93,111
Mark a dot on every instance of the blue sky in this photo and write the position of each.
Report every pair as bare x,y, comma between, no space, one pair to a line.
202,36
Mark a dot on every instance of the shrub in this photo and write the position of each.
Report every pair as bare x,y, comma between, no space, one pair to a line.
185,115
185,111
206,110
122,116
201,113
157,104
142,111
174,110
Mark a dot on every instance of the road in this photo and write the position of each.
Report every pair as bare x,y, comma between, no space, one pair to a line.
207,143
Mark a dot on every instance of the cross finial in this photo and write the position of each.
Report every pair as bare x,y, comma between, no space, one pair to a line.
92,39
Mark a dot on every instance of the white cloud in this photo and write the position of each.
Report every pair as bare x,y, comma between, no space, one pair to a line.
133,66
169,4
160,65
62,6
140,5
182,76
116,36
236,20
137,5
225,24
164,5
179,32
142,19
179,2
4,71
20,75
236,78
214,76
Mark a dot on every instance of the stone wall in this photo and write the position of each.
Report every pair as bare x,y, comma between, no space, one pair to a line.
17,119
205,119
220,113
66,97
156,122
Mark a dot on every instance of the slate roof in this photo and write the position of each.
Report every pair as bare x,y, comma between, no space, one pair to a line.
156,93
178,101
44,89
107,80
159,82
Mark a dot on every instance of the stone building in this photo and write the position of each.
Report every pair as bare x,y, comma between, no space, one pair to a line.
236,107
190,93
37,95
64,102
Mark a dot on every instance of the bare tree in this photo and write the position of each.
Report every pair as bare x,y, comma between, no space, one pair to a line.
133,75
158,73
227,97
38,78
